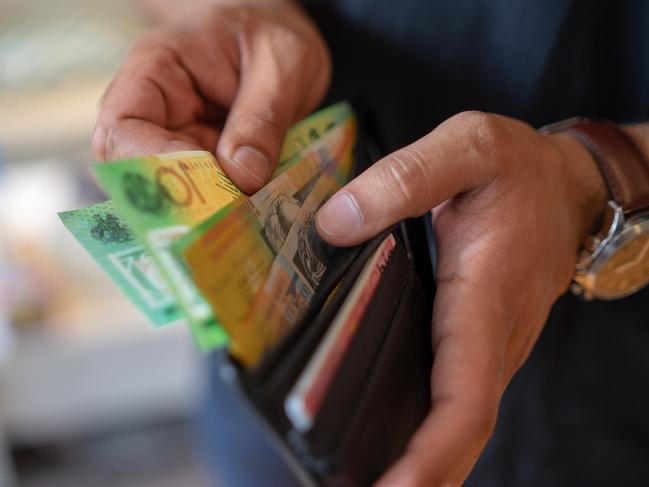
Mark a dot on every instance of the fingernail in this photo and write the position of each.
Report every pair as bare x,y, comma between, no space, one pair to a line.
340,216
253,163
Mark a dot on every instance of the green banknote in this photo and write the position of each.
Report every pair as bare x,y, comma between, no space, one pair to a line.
107,238
163,197
310,129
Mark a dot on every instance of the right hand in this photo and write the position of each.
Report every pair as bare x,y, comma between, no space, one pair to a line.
511,208
230,79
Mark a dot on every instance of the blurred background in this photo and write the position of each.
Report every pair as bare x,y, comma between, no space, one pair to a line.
90,394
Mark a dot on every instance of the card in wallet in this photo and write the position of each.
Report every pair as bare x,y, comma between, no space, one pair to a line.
342,394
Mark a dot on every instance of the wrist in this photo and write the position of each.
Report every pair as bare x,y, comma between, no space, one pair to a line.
585,185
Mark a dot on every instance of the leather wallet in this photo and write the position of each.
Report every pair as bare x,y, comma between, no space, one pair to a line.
379,390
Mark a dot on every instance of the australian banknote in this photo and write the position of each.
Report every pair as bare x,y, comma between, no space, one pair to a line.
103,233
292,280
162,198
231,254
155,193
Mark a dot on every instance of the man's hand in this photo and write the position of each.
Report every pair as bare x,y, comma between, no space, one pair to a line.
511,208
226,78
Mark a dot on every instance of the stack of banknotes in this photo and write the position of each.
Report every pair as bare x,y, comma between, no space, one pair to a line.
185,244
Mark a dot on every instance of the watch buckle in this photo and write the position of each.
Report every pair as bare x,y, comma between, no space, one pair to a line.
594,245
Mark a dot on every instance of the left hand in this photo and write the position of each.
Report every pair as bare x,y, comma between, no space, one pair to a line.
227,76
511,207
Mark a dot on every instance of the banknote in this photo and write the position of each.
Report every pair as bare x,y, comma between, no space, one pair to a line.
292,280
107,238
239,259
298,138
162,197
232,254
310,129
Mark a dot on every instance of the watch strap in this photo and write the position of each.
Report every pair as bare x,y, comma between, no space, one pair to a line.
623,166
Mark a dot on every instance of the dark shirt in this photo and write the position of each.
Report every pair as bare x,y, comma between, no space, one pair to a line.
578,412
417,62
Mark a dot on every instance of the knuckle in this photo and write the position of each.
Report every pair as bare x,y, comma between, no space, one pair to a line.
161,61
113,141
487,138
406,174
286,36
151,57
291,49
98,143
261,121
486,131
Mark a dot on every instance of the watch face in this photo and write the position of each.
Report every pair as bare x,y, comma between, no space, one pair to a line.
626,269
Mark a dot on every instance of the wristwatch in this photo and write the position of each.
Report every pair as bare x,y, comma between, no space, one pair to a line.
614,262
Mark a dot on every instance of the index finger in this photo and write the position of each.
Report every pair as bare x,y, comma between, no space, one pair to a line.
152,106
413,179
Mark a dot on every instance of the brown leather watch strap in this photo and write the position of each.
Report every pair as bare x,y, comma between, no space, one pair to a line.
624,168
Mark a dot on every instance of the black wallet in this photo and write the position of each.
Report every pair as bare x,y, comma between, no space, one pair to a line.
380,390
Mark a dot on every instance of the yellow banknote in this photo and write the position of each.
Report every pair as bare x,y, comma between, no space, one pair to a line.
232,258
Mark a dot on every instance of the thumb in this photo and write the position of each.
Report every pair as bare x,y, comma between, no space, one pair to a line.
264,108
406,183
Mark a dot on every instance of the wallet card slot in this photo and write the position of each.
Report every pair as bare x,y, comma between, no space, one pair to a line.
395,397
304,400
271,381
352,373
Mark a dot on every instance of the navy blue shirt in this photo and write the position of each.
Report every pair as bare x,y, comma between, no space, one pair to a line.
417,62
578,412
